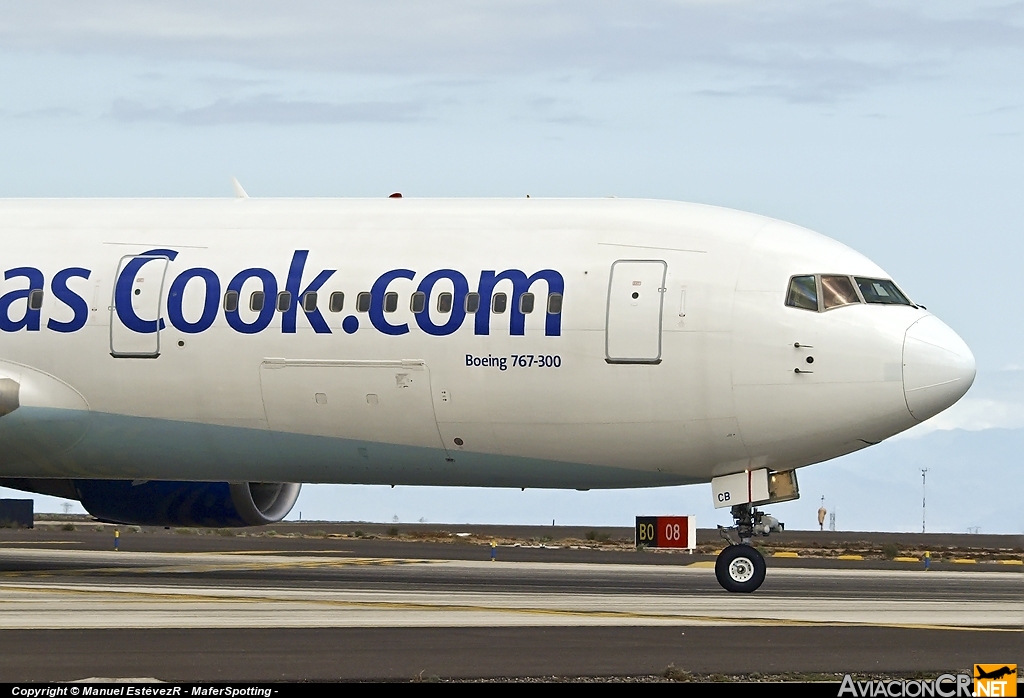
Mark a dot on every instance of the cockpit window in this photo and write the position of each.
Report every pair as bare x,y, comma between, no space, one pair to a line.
803,293
837,291
881,291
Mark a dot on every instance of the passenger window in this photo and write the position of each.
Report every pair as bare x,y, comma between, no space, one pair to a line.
35,299
472,302
803,293
363,302
309,302
837,291
390,302
554,303
444,303
337,302
526,303
499,303
418,302
284,301
881,291
256,301
231,301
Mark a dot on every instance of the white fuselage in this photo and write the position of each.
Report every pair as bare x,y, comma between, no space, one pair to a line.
693,378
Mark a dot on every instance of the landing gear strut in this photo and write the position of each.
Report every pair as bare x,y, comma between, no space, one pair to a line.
740,568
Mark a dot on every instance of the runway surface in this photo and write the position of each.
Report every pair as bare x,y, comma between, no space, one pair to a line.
261,615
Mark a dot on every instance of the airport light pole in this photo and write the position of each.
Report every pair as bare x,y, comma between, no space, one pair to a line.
924,474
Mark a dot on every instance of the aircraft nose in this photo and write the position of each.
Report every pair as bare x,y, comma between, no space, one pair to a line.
938,367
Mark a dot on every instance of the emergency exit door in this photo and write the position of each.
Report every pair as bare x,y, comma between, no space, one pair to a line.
636,297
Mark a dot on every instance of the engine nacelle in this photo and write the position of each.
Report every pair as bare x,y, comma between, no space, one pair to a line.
170,503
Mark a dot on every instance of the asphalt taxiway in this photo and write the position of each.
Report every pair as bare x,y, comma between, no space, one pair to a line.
264,611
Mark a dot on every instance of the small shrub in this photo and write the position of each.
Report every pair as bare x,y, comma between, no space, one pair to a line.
393,531
358,534
318,534
673,673
420,678
68,527
890,550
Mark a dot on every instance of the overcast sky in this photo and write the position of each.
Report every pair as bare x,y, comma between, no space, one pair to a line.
895,127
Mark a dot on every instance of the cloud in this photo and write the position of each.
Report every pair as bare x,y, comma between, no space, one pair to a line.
47,113
803,51
267,109
971,414
803,81
556,110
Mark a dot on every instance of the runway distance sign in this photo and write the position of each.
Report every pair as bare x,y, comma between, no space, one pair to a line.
666,532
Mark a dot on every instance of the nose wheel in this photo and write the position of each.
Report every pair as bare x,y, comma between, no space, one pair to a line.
740,569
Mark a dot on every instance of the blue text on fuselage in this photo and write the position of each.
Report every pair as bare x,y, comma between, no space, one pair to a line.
209,280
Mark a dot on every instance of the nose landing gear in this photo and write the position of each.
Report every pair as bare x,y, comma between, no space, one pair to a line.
740,568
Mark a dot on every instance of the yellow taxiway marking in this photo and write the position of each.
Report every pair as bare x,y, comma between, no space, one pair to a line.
1010,562
851,557
524,610
906,559
702,564
965,561
784,553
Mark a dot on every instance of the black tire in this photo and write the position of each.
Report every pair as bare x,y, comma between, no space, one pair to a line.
740,569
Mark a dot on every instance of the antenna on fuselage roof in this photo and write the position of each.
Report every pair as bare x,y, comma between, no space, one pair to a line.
239,191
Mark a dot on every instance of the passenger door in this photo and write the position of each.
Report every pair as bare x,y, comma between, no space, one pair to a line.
135,328
636,297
